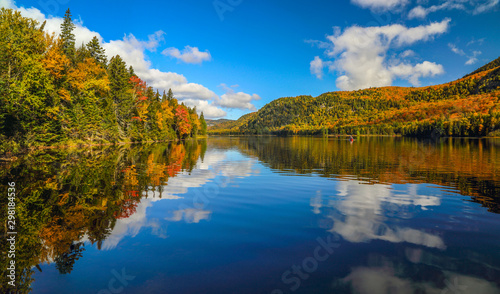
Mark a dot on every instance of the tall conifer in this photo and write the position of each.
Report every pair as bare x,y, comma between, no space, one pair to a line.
67,35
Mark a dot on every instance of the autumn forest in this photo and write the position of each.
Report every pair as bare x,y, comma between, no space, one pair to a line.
54,92
466,107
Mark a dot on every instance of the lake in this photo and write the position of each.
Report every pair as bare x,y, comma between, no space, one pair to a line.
260,215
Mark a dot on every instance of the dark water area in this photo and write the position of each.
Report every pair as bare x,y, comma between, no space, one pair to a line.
258,215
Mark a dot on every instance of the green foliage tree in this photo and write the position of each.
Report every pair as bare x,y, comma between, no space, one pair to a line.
96,51
67,35
203,124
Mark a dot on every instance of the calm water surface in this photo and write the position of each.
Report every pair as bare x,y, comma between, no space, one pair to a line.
262,215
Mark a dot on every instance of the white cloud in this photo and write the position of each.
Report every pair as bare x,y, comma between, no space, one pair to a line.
456,50
361,54
484,7
471,59
188,55
407,53
414,73
239,100
317,67
474,7
209,110
421,12
7,4
53,24
380,5
474,41
133,52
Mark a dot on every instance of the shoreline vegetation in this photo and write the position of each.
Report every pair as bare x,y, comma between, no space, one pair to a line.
55,94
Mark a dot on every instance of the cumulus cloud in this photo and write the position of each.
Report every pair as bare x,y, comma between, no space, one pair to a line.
414,72
7,4
317,67
209,109
133,52
360,54
474,7
238,100
380,5
188,55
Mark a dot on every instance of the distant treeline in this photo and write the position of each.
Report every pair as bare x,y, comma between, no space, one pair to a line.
466,107
52,92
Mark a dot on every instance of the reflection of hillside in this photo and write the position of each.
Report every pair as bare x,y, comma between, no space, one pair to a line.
471,166
204,174
67,198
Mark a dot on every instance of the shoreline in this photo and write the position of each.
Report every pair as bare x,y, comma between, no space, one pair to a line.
10,157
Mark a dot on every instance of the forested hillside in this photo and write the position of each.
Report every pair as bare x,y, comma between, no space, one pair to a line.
231,126
467,107
53,92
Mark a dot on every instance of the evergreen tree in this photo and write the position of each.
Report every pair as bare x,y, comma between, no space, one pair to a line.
131,71
119,86
203,123
67,36
164,97
97,52
170,95
157,96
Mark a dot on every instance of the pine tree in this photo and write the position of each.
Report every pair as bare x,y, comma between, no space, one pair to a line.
157,96
164,97
97,52
67,36
170,95
171,100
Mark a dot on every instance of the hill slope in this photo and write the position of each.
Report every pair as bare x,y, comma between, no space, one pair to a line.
466,107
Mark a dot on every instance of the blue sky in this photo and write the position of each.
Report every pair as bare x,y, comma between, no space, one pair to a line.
231,57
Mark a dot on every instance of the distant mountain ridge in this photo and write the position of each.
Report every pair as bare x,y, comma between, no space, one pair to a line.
469,106
214,122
